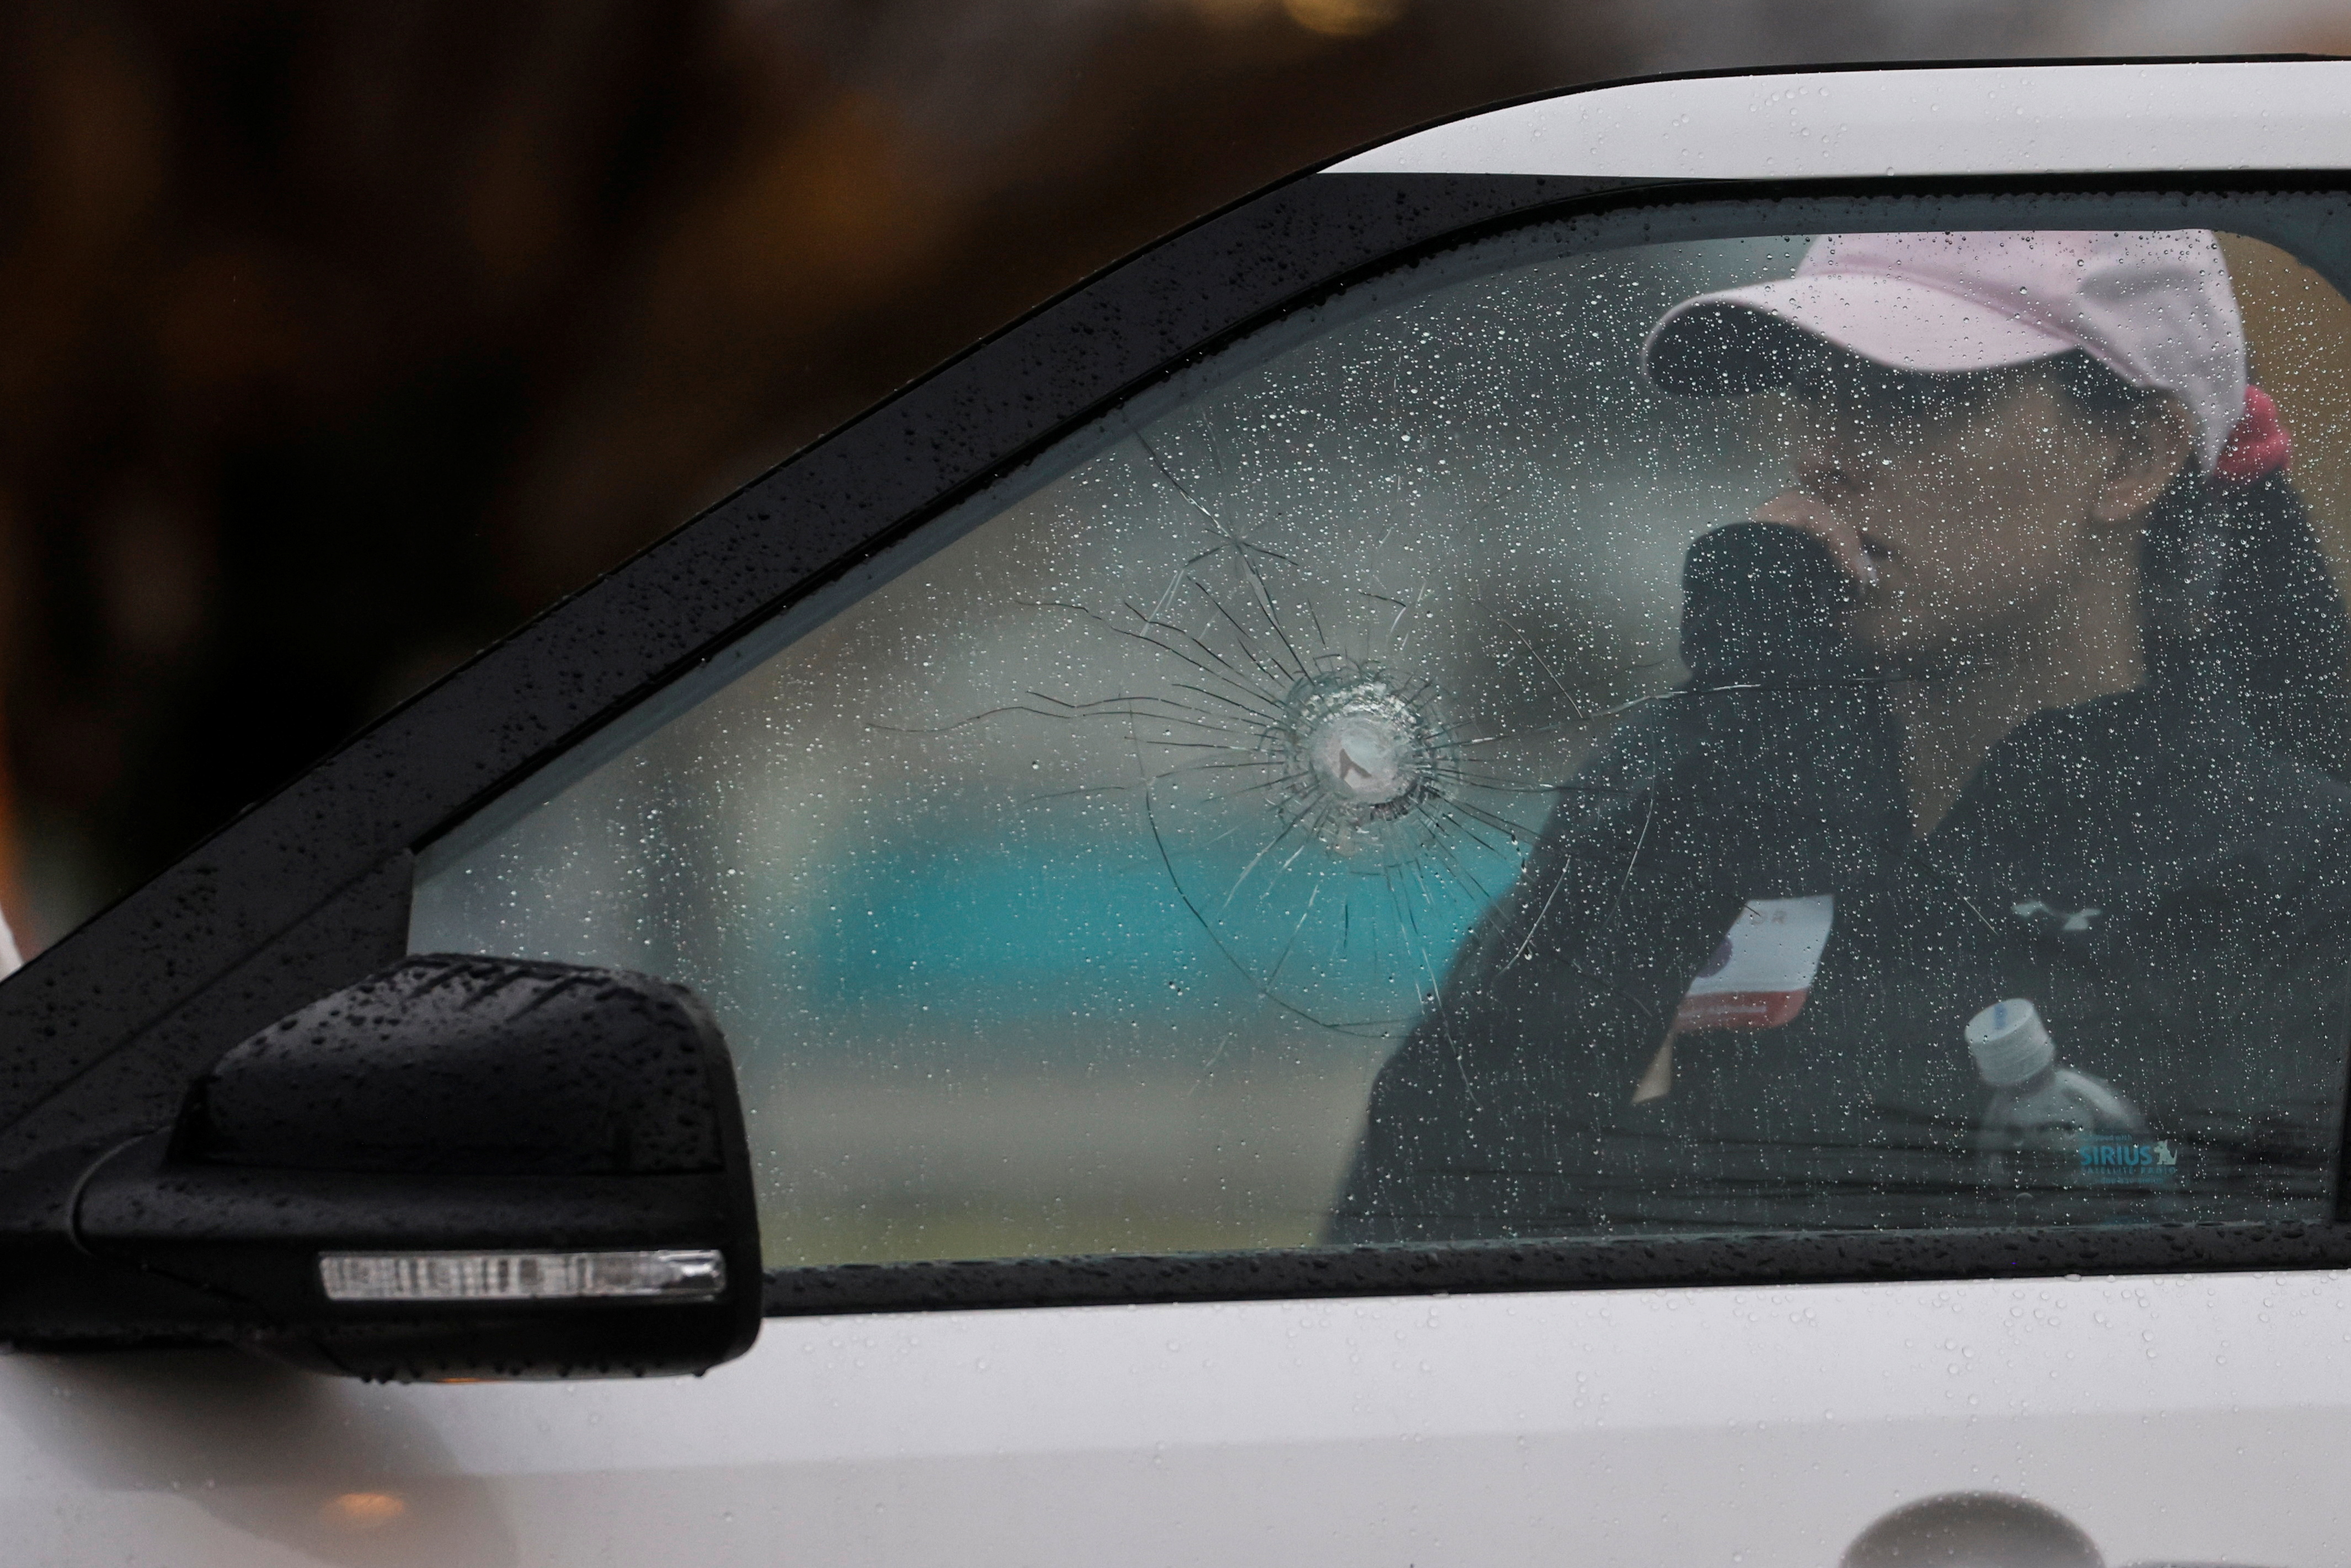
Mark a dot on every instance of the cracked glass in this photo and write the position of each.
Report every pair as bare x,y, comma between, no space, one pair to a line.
1770,732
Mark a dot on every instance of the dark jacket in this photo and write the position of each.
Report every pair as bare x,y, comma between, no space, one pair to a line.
2173,895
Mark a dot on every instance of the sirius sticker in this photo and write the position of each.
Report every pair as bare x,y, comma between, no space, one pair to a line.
2108,1160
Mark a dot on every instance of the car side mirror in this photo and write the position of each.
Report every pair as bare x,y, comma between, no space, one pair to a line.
461,1167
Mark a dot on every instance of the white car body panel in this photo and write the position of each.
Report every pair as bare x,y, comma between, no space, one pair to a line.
2178,1419
1834,124
2181,1418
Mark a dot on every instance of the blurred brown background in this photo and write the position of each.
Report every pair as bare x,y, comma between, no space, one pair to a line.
335,339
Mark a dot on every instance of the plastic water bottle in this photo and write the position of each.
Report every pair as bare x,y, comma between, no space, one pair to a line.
2052,1125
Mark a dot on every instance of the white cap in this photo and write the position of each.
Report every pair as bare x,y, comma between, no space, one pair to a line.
2009,1043
2154,306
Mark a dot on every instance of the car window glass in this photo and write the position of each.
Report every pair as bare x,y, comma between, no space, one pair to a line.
1555,753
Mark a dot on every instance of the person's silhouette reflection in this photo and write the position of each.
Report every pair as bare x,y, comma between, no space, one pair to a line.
2023,687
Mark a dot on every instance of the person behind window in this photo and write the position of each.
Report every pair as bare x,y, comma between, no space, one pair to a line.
2026,688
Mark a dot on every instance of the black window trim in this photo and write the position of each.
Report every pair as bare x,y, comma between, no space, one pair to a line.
1569,1263
308,890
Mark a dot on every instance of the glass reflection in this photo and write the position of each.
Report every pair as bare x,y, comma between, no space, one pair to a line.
1402,721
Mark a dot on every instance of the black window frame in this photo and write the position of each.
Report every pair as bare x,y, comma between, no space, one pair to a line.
308,890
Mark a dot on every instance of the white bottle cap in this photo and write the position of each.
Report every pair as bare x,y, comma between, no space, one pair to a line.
2009,1043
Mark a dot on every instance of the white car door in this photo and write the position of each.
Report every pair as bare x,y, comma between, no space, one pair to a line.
1074,786
2188,1420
